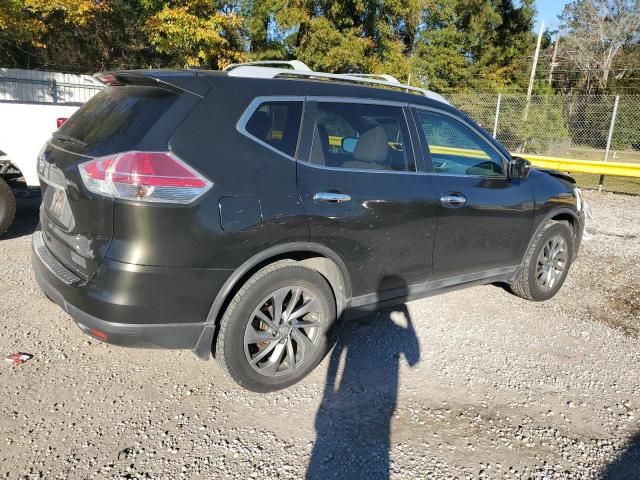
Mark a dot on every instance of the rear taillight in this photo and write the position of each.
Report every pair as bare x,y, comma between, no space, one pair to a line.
145,176
60,121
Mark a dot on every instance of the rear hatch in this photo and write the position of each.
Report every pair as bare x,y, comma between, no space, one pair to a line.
135,113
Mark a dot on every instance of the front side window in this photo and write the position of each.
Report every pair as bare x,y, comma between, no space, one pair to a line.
456,149
277,124
360,136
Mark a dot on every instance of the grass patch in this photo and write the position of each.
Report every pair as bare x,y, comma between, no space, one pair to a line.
628,185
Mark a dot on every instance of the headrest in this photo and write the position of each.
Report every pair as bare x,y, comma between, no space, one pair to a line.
372,146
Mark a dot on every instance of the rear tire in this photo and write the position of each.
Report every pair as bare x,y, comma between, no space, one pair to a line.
274,331
546,263
7,206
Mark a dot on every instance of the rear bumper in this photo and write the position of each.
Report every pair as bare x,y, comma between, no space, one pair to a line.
131,305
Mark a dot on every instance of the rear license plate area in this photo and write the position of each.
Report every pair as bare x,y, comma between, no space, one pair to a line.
57,205
58,202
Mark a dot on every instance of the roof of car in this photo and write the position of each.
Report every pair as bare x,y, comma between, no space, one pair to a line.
308,83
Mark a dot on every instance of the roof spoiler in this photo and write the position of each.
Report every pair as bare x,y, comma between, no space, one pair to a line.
174,81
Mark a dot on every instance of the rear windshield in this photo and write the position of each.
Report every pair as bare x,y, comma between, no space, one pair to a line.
117,118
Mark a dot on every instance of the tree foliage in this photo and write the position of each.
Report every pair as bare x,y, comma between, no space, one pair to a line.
196,33
449,45
476,44
598,38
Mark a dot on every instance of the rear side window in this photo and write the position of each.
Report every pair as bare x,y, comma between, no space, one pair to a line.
117,118
360,136
277,124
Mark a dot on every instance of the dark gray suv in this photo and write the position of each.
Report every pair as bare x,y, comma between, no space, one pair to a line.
244,212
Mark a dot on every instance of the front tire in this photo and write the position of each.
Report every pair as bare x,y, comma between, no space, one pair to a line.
274,331
7,206
546,263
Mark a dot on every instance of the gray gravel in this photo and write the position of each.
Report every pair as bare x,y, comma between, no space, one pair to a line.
485,385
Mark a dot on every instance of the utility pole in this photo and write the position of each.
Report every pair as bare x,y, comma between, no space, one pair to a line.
533,71
495,121
553,59
609,137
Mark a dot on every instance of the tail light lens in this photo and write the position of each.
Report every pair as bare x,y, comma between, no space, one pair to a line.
159,177
60,121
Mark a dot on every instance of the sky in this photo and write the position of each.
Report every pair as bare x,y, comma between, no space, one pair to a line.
548,11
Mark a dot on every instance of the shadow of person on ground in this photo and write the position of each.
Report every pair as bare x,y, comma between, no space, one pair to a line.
27,218
353,423
627,465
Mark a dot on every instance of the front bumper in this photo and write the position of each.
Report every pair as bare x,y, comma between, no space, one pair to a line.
131,305
579,233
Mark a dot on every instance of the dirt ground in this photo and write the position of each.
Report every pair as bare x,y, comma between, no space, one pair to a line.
470,384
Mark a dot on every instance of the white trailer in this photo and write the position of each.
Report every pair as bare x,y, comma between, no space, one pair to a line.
31,105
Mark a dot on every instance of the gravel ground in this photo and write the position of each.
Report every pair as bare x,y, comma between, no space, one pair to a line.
471,384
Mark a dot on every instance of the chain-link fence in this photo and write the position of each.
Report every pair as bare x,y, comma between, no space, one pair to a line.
583,127
33,86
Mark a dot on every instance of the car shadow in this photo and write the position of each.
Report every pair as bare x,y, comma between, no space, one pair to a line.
353,423
27,218
627,465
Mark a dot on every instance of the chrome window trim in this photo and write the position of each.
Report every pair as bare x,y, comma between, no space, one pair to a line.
362,100
241,125
505,161
363,170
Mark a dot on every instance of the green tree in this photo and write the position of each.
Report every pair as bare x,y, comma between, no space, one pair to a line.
440,59
337,36
17,31
475,44
595,35
110,39
195,32
26,25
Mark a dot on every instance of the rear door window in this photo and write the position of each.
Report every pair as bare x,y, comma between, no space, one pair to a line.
361,136
276,124
117,118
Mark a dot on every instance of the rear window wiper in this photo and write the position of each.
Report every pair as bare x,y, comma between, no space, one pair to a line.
67,138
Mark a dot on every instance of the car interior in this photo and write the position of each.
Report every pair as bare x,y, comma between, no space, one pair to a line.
348,137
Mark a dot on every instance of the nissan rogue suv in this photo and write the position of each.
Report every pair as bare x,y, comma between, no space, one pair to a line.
242,213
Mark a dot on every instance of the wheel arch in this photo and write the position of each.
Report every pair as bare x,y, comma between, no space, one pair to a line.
566,216
9,169
557,214
315,256
5,164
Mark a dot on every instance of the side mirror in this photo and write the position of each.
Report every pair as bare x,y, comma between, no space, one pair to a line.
348,144
519,168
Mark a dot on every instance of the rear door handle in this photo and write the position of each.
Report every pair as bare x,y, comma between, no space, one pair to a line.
331,197
453,200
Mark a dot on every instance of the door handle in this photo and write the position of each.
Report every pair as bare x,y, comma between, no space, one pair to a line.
453,200
331,197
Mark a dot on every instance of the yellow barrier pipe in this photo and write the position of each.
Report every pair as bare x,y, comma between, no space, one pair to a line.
618,169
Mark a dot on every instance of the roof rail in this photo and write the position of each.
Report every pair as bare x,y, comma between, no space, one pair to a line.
294,64
379,76
266,69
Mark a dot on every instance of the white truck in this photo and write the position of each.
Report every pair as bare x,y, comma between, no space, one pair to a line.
32,106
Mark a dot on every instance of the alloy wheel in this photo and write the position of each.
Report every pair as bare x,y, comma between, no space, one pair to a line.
552,262
283,331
